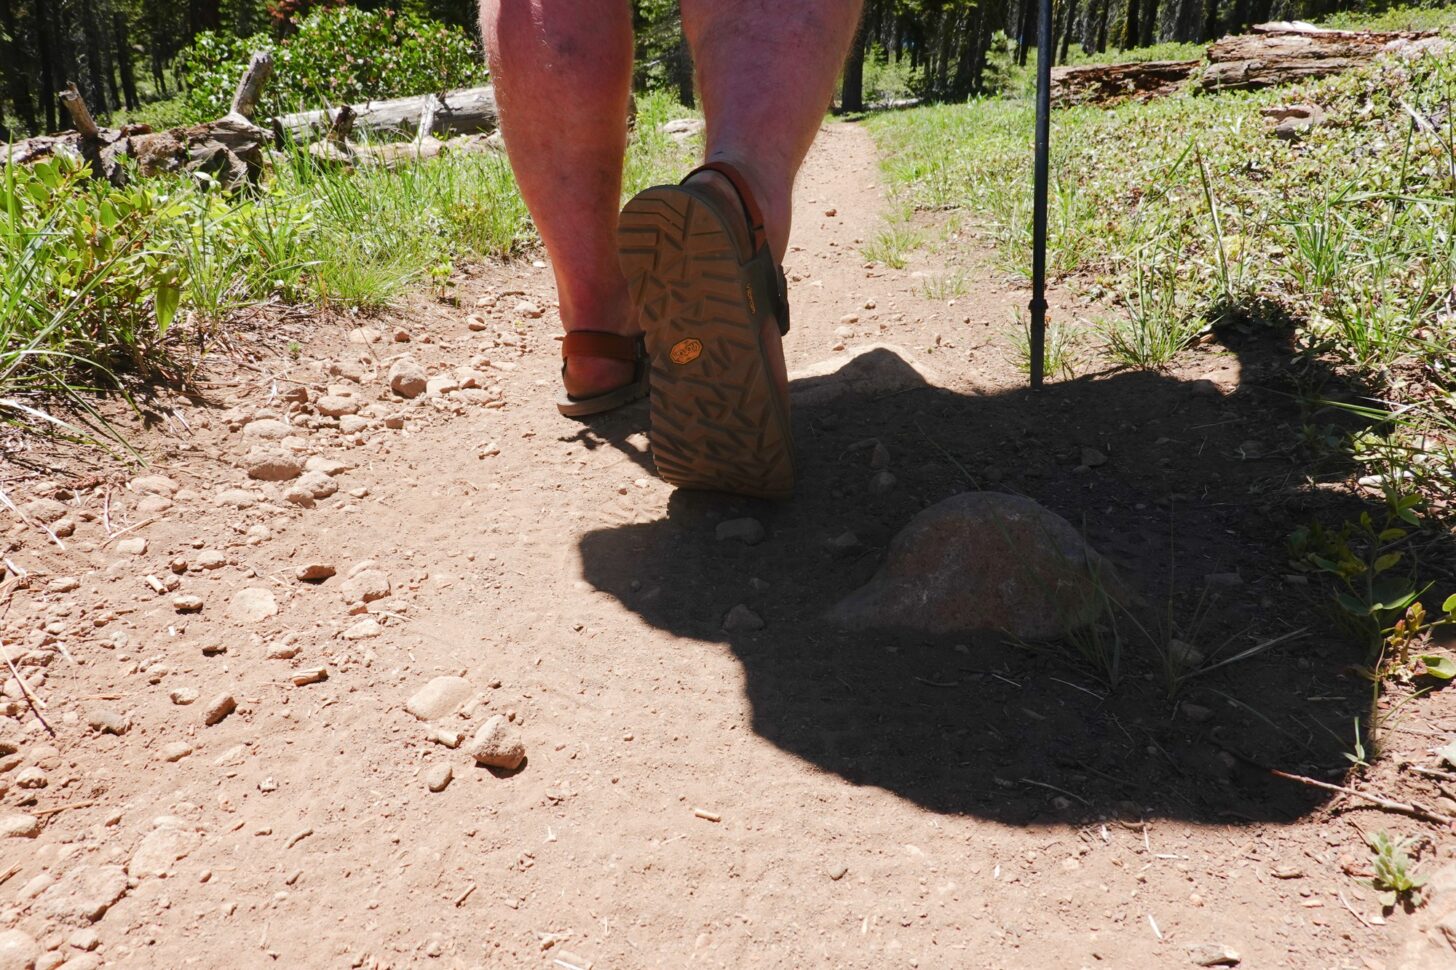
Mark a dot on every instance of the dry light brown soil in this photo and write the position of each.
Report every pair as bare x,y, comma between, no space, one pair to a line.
791,796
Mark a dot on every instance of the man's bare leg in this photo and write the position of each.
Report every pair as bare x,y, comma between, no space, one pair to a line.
562,71
767,70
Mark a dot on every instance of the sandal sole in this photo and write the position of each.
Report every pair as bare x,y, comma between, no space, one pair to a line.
718,422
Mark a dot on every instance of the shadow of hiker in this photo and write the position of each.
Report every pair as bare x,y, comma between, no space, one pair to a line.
1198,493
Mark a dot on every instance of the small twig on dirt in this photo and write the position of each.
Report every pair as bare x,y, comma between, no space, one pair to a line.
991,673
30,698
1430,772
949,457
460,900
1060,791
706,815
1405,808
937,683
297,837
1084,690
1154,924
118,535
1363,920
61,808
106,511
5,876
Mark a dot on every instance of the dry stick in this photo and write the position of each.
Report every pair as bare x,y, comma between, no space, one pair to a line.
250,86
118,534
1061,791
80,115
25,689
1405,808
61,808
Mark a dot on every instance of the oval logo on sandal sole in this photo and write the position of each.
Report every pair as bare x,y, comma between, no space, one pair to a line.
685,351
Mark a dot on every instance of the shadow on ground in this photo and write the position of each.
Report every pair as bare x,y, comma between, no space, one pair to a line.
1200,490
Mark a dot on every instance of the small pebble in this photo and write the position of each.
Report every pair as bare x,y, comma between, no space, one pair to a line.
741,619
218,708
437,777
175,750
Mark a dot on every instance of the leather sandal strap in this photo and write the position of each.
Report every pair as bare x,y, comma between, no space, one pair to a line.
745,195
599,343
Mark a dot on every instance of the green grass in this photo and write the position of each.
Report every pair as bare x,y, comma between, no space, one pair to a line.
97,283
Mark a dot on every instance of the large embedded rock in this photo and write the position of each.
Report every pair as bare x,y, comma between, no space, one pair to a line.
984,561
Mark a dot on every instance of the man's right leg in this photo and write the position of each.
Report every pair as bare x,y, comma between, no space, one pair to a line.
562,71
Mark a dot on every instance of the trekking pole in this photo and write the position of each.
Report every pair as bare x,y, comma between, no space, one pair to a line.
1044,55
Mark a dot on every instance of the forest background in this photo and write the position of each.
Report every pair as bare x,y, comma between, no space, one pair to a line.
165,62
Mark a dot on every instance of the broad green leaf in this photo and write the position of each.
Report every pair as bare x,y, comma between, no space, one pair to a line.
1386,561
1439,667
167,298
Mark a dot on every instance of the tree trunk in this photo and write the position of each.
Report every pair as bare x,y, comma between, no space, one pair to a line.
94,76
1103,16
1130,27
1150,24
1023,34
123,61
45,34
21,96
851,91
682,69
1068,25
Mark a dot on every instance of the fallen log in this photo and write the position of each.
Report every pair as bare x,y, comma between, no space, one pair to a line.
336,150
1283,52
229,149
1103,83
464,111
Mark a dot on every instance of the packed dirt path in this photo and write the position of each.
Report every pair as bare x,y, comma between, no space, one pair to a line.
235,780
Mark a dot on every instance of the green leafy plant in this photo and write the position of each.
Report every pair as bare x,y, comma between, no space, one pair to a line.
337,55
1394,877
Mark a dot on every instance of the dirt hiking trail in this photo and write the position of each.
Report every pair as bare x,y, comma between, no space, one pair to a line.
236,778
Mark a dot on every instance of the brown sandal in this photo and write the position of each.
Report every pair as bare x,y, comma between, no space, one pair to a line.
718,419
600,343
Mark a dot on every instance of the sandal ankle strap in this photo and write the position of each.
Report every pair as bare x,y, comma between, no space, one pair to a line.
600,343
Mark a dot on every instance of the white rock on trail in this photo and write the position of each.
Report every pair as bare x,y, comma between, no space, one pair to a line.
18,825
218,708
498,744
272,465
154,485
437,777
439,698
132,546
45,510
183,695
236,498
252,605
747,531
172,839
18,950
407,377
267,429
175,751
366,629
187,603
83,895
365,587
326,466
